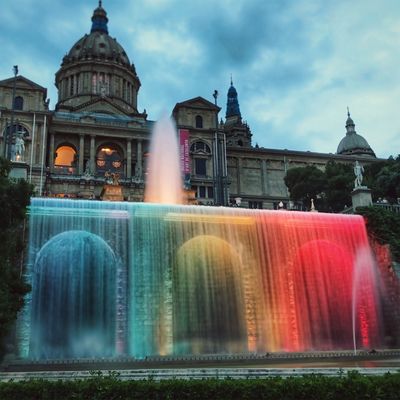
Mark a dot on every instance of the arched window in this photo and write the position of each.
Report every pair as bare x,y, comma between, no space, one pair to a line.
109,159
200,147
17,129
199,121
18,103
65,160
240,143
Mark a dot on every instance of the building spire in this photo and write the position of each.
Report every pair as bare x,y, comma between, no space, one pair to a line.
349,123
99,19
232,105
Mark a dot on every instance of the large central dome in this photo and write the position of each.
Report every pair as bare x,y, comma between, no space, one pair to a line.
98,44
97,67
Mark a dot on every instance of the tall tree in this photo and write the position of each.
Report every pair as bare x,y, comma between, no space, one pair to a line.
14,199
339,184
383,179
306,183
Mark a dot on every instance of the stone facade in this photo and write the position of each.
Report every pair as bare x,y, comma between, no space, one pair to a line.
96,127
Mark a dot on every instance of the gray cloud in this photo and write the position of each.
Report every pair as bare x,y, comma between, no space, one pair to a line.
296,64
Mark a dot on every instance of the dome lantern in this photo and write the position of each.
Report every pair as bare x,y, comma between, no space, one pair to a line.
99,20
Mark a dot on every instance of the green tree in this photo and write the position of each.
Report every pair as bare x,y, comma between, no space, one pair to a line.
383,178
384,226
339,184
14,198
306,183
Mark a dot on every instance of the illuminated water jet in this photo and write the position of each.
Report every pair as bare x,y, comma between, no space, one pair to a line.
164,181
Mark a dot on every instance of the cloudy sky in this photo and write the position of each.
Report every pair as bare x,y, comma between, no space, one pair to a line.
296,64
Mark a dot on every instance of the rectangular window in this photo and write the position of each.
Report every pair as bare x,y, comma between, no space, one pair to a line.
256,204
71,85
94,83
129,92
202,191
124,85
108,82
210,192
200,166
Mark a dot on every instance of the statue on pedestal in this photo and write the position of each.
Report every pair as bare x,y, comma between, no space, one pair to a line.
19,148
112,178
358,172
112,190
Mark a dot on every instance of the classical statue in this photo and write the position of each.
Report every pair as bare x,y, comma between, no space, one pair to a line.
115,178
87,173
358,172
108,177
19,148
112,178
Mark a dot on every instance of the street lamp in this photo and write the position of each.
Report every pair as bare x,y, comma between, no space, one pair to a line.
9,140
217,195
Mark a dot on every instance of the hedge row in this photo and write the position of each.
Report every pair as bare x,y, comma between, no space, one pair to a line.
351,386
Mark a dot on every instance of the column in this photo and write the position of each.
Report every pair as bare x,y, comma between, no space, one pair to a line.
2,142
239,172
51,152
38,142
81,154
139,159
128,158
92,155
264,176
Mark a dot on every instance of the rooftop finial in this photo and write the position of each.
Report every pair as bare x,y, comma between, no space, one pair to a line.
231,80
348,111
100,3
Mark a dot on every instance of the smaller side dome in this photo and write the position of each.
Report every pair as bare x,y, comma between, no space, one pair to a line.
353,143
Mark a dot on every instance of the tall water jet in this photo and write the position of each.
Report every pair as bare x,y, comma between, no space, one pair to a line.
164,181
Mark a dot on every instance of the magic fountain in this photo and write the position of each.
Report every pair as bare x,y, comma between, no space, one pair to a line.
145,279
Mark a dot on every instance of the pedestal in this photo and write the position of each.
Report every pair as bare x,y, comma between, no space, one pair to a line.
19,170
361,197
112,193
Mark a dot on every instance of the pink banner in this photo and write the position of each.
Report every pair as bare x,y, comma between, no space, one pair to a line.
184,151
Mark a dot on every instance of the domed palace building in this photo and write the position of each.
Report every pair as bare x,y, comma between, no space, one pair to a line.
96,129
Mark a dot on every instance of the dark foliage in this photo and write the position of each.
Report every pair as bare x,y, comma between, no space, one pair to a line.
339,184
384,225
14,198
306,183
383,178
352,386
